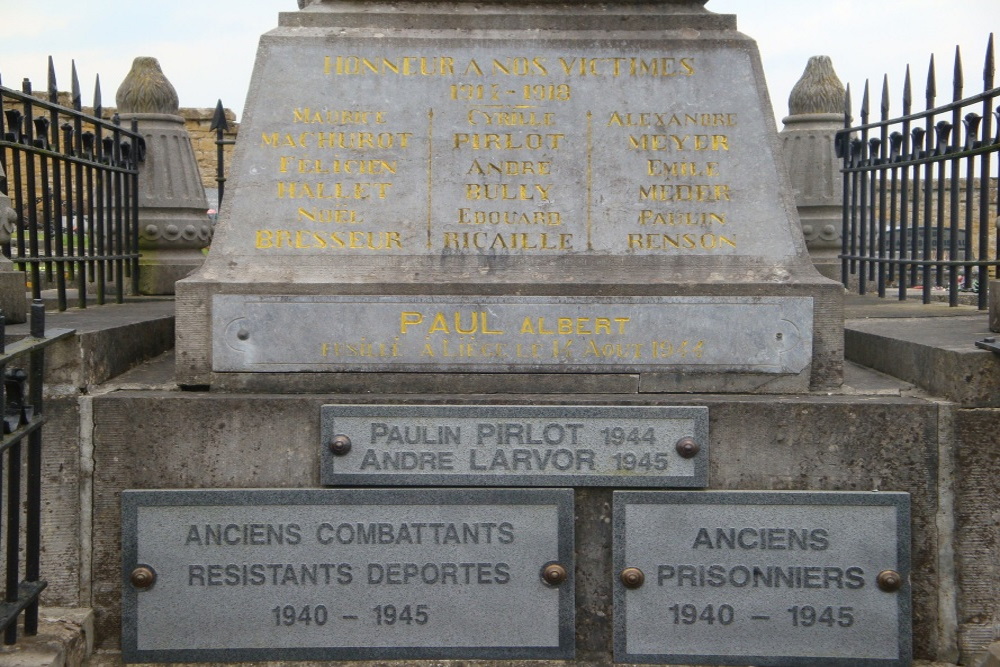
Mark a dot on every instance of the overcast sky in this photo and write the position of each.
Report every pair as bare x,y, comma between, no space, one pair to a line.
206,47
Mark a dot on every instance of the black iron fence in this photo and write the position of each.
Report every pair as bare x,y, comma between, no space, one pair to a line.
21,368
73,181
920,205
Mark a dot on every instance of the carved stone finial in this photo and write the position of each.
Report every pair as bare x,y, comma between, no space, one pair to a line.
146,90
818,91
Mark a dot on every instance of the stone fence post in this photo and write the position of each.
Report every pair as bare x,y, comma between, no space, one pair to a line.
13,299
174,225
815,108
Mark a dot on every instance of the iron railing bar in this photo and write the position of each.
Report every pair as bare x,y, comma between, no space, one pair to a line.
64,157
26,591
21,433
923,262
985,95
19,347
978,150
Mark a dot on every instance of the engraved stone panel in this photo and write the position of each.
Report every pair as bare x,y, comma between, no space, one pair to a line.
506,445
762,578
241,575
622,154
496,334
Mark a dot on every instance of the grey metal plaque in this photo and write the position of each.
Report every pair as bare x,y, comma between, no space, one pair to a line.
510,334
514,445
762,578
323,574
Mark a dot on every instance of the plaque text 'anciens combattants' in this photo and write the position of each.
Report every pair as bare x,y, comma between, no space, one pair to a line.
238,575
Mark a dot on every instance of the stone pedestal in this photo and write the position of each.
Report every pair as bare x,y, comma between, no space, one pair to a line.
815,115
432,197
13,299
174,226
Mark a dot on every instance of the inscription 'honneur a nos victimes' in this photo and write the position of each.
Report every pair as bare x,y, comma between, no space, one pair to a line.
503,160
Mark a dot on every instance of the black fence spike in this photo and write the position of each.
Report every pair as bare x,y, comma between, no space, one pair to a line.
989,66
864,105
77,97
907,93
219,119
885,97
931,84
98,107
959,77
847,106
53,86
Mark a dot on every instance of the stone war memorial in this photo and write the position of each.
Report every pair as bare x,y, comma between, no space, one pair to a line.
508,348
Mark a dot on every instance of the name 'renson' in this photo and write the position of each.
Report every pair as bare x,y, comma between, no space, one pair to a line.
720,575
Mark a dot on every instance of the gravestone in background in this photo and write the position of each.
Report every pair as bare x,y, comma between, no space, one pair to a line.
468,197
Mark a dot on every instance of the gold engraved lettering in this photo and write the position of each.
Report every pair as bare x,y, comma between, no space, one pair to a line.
707,241
679,142
684,192
510,168
336,215
360,191
681,169
467,216
344,140
651,67
289,163
456,322
507,142
507,241
337,117
506,191
401,66
511,118
520,66
270,239
677,219
654,119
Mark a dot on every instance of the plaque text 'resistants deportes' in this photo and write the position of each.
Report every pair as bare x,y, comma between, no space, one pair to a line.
775,578
323,574
514,445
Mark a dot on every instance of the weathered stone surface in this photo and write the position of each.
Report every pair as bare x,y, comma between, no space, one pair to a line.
243,441
977,538
443,194
816,113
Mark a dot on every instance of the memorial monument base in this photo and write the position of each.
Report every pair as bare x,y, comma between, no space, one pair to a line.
235,441
508,204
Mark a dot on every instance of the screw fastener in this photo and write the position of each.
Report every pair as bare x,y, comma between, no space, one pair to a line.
688,448
889,581
632,577
143,577
340,445
554,574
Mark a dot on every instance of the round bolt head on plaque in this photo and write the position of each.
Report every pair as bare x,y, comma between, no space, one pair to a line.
554,574
632,577
687,448
143,577
340,445
889,581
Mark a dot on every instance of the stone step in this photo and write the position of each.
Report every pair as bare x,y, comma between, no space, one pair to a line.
65,639
931,346
109,340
